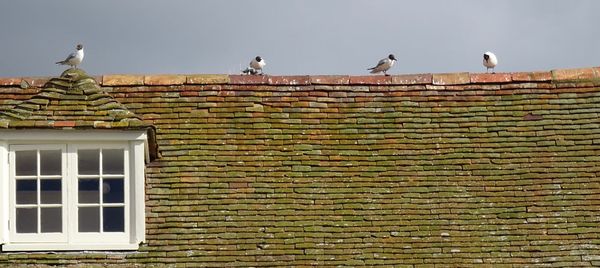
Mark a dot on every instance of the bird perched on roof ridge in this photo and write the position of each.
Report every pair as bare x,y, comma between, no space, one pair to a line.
384,65
74,58
257,64
489,61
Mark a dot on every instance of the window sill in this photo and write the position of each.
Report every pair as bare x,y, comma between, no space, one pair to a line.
67,247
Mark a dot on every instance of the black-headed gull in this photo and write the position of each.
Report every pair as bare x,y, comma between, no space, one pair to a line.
384,65
74,58
256,65
489,61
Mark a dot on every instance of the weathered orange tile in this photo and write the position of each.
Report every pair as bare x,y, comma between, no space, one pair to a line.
412,79
207,79
248,79
330,79
122,80
370,80
9,81
491,78
64,124
573,74
531,76
289,80
451,79
164,80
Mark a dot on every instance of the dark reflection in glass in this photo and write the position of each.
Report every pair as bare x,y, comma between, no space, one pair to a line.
50,191
88,162
112,191
51,220
89,219
50,162
26,220
26,192
112,161
89,191
26,163
114,219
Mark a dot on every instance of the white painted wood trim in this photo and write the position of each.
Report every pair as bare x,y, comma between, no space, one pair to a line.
138,177
66,247
44,135
4,201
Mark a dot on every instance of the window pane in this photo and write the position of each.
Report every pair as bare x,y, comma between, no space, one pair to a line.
50,191
89,191
112,161
26,220
114,219
89,219
26,163
50,162
88,162
112,191
26,192
51,220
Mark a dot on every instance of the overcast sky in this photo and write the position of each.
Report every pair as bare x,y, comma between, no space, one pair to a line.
297,37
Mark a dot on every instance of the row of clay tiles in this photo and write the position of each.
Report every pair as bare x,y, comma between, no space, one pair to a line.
559,75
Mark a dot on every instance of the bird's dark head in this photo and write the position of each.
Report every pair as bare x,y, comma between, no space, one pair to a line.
258,58
79,46
486,57
391,57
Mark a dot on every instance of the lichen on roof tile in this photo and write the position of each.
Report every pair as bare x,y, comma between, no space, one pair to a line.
73,97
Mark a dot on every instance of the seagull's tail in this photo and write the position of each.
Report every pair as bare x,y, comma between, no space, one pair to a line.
61,62
373,71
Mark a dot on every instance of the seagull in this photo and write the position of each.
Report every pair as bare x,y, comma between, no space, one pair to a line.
256,65
384,65
489,61
75,58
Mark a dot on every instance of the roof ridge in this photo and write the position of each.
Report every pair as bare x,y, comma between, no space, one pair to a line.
455,78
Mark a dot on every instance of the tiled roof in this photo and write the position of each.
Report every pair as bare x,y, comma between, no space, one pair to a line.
425,170
73,100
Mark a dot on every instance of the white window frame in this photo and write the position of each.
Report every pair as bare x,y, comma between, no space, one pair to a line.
44,237
133,141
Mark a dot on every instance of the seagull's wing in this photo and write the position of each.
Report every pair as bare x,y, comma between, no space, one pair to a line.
381,62
71,56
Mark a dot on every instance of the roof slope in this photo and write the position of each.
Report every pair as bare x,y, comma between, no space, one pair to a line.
426,170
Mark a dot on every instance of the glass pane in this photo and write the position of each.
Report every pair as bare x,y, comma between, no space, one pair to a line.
50,191
112,191
89,191
50,162
89,219
26,163
112,161
114,219
26,220
26,192
88,162
51,220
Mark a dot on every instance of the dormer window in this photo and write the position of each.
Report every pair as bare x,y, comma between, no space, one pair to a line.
65,190
72,164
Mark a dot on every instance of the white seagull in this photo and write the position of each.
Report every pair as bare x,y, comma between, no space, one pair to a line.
75,58
256,65
489,61
384,65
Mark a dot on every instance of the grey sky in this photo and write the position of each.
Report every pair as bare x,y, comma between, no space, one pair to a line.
297,37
